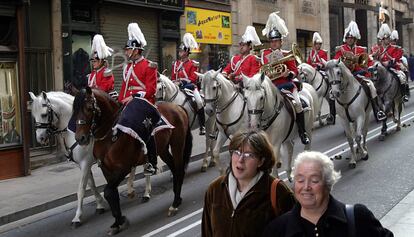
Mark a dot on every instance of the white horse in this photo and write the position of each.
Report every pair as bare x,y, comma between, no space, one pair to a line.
268,110
312,76
52,112
224,100
352,104
168,91
389,92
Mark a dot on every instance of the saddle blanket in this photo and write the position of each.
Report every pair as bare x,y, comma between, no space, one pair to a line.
140,119
72,124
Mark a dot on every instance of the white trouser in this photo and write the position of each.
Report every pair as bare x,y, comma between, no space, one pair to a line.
401,76
197,97
296,100
372,88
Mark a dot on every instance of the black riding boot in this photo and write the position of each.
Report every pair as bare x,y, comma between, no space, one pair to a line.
151,167
300,121
332,112
201,121
378,113
407,92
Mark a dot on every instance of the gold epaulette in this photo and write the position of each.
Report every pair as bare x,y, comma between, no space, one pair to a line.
195,63
338,48
107,72
152,64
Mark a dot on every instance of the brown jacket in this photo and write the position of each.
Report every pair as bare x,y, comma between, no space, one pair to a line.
252,214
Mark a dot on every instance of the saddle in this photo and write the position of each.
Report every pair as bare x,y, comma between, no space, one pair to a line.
190,97
290,105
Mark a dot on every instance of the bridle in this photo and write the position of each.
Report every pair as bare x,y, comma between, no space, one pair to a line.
96,113
51,129
163,95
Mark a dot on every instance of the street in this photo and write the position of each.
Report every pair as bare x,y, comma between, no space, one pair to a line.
379,183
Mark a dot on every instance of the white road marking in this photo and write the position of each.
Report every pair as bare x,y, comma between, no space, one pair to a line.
198,222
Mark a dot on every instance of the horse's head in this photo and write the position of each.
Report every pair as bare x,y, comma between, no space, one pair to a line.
378,72
45,117
336,69
255,95
160,92
211,89
306,72
86,112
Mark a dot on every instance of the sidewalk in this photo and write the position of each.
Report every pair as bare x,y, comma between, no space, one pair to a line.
56,185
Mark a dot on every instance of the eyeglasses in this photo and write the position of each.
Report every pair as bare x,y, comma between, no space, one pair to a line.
243,155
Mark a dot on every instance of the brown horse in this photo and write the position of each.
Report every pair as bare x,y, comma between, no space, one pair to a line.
96,113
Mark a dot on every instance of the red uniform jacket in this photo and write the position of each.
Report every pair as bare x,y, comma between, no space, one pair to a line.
139,76
185,71
315,57
391,53
282,82
356,50
98,79
248,65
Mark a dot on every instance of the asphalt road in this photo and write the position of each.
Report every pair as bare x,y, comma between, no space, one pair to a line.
380,183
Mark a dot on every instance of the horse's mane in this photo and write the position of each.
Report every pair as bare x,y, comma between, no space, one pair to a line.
166,80
56,98
220,78
79,101
100,95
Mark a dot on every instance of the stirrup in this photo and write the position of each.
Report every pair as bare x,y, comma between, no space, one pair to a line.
330,120
405,98
202,131
149,169
381,116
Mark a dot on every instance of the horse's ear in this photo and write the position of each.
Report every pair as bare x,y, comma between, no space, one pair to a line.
74,90
220,70
323,62
44,95
245,78
88,90
215,74
200,75
32,95
262,77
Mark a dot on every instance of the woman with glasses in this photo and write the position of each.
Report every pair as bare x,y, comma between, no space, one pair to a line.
239,203
317,212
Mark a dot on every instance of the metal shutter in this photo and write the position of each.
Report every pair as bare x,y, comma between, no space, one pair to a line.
114,20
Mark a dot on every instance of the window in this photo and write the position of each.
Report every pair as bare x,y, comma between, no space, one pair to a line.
10,129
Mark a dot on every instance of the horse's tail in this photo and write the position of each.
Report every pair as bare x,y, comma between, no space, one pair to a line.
188,147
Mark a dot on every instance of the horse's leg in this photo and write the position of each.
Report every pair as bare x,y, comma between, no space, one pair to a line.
221,139
112,197
100,208
278,162
321,123
398,117
209,142
383,130
289,146
147,194
85,170
359,138
130,183
350,139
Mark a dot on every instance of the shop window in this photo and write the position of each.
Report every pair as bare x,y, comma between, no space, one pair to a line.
81,48
169,52
10,129
8,33
212,56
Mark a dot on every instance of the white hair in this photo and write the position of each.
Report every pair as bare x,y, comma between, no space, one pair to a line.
329,175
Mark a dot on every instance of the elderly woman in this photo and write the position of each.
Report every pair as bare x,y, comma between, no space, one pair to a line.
239,203
317,213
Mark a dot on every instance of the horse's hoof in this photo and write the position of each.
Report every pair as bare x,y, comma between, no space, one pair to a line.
131,195
172,211
398,128
145,199
203,169
75,224
212,164
113,231
100,211
352,165
365,157
338,157
381,137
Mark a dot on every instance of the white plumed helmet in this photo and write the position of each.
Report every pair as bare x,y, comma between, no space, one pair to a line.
317,38
136,39
384,31
251,36
394,35
352,30
189,43
275,27
99,49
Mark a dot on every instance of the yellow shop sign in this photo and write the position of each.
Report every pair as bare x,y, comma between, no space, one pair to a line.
207,26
